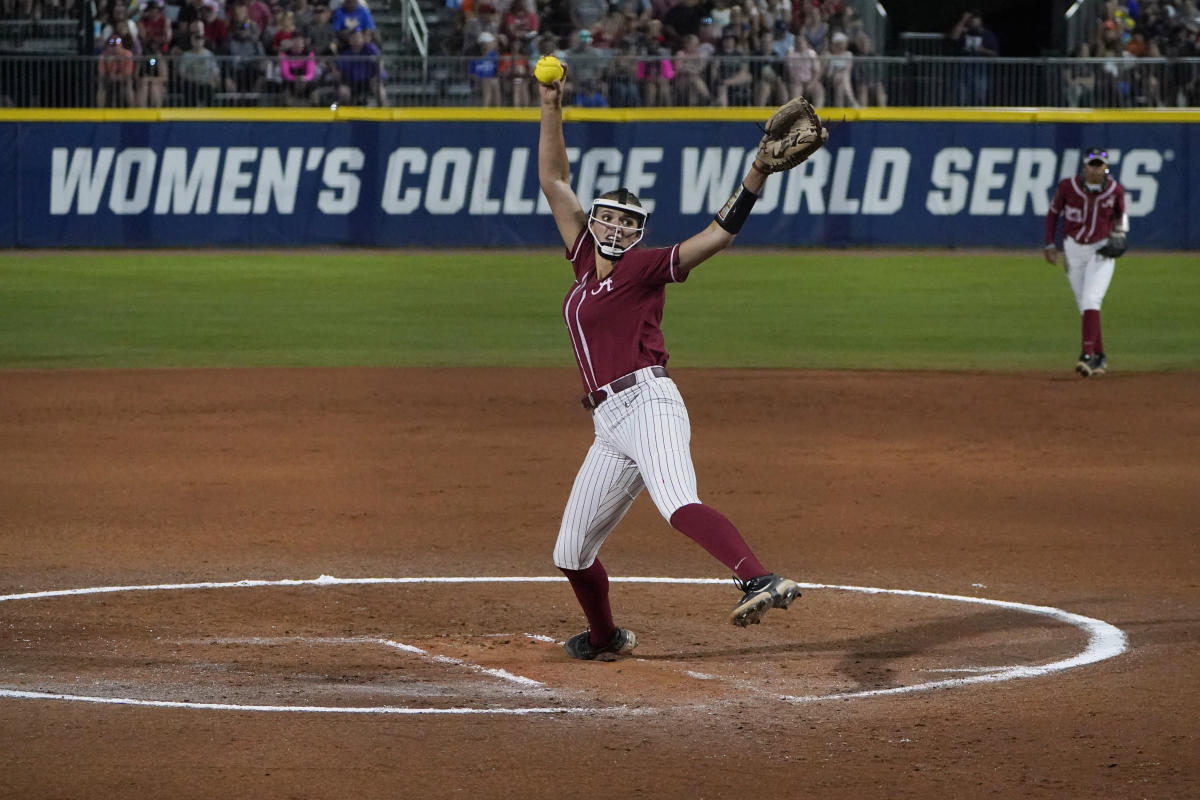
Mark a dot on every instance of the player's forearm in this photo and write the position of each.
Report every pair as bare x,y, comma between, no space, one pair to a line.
1051,224
1122,223
552,148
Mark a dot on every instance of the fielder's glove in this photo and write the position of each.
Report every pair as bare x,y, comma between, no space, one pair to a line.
792,134
1115,247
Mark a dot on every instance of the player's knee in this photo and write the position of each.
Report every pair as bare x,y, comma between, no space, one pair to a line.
572,561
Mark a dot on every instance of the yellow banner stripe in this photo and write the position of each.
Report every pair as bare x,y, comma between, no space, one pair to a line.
344,113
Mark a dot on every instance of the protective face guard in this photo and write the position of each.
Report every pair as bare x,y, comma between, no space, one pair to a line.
608,249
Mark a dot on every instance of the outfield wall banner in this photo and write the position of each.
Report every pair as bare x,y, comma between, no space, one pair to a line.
474,183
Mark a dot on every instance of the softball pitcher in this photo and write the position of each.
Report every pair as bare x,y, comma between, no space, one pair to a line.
1092,207
613,312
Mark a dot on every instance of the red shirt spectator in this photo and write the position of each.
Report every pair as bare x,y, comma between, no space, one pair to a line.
519,22
154,29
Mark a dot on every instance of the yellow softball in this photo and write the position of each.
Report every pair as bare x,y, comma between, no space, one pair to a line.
548,70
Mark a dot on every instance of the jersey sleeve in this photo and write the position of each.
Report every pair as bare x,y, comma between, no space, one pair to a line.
1056,207
660,265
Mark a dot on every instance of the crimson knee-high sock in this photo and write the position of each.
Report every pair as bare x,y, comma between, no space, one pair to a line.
591,590
711,530
1091,331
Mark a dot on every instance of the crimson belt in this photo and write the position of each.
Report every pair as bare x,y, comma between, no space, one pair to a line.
593,399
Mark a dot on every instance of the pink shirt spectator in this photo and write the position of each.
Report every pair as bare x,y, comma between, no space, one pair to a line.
293,66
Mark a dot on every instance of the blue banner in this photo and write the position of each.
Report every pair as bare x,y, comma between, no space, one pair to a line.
458,183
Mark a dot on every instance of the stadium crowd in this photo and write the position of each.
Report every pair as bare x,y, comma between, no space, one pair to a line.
624,53
301,53
1127,33
632,53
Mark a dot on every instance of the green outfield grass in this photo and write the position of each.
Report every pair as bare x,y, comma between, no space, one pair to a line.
745,308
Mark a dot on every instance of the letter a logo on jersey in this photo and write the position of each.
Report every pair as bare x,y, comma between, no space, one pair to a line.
605,284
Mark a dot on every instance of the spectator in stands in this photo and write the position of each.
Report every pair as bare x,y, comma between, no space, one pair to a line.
655,68
730,79
483,69
514,71
304,14
684,20
350,17
555,17
586,65
115,70
199,74
154,29
483,21
320,34
621,76
297,70
153,72
972,40
548,45
1079,80
258,12
119,24
586,13
248,55
691,74
287,30
181,42
1137,46
720,14
216,31
869,73
816,29
1144,82
709,35
771,80
274,25
609,31
635,12
190,11
520,22
839,69
805,72
359,73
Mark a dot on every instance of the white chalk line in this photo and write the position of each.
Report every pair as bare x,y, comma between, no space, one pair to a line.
1105,641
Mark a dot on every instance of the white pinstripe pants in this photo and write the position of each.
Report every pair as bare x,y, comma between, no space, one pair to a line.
643,440
1088,272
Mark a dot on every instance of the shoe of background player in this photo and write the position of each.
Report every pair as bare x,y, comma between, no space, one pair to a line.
1099,364
622,643
1084,365
760,595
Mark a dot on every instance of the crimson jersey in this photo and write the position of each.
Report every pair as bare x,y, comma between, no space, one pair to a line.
1087,216
615,323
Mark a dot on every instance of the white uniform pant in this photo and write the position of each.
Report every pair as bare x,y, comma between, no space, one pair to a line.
643,440
1088,273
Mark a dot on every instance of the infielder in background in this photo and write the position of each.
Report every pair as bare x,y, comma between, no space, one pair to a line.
1092,207
613,312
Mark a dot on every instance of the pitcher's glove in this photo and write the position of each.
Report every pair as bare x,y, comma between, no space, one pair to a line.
792,134
1115,247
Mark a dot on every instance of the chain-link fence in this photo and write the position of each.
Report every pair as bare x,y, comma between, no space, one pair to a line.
119,79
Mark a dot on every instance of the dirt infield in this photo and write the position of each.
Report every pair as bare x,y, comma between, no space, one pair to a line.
1029,504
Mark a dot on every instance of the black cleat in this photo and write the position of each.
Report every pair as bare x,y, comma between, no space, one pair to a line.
1084,365
762,594
622,643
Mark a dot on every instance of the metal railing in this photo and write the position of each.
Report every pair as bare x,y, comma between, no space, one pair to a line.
412,19
87,81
